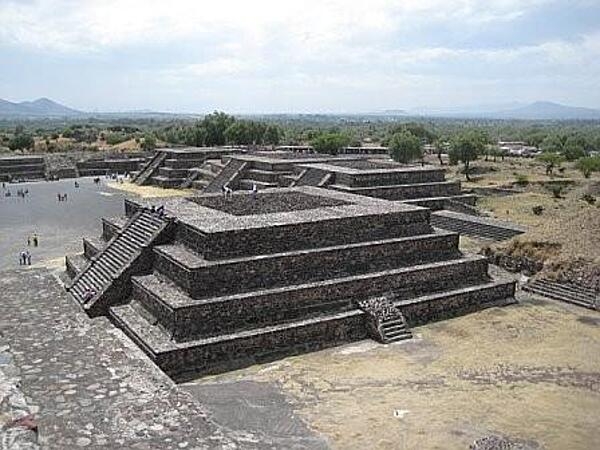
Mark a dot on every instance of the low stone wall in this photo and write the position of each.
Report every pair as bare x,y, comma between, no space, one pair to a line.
338,231
410,191
470,300
245,350
386,178
304,266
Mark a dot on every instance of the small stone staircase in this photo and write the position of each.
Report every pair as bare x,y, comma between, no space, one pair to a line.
150,168
106,279
386,322
229,173
573,293
394,329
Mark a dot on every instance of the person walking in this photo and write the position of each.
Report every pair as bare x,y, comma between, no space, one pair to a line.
28,241
28,257
35,240
22,258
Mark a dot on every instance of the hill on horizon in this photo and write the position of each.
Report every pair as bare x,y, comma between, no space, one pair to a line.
42,107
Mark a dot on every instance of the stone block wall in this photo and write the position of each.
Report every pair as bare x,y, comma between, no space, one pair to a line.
304,266
260,241
386,178
245,350
262,308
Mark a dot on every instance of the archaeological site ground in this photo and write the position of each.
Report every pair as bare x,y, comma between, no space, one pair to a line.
235,298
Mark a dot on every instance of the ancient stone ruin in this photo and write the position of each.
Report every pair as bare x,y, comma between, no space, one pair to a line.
213,282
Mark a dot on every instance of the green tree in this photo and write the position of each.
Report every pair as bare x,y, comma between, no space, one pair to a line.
405,147
21,141
588,164
551,160
466,147
272,135
215,125
330,143
149,142
238,133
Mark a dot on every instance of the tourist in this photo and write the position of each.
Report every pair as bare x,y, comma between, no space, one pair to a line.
88,295
28,241
227,191
35,240
160,210
22,258
28,257
254,190
76,185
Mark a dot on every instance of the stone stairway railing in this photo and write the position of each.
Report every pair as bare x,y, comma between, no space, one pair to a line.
148,170
386,323
193,176
229,173
105,281
325,180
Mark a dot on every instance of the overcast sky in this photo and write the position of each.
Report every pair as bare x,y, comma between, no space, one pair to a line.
299,56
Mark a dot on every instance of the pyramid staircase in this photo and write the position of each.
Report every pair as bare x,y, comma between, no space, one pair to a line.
150,168
227,176
105,279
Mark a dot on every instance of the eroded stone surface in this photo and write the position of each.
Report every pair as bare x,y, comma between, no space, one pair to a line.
89,387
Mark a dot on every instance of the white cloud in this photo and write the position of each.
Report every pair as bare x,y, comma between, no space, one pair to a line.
70,25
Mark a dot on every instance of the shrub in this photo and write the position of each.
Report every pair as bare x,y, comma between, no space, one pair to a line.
589,198
557,190
522,180
538,210
588,165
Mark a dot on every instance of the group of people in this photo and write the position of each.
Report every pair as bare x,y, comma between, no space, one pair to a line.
25,258
25,255
62,197
20,192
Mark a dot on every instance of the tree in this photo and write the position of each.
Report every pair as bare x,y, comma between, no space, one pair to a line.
466,147
330,143
238,133
405,147
588,164
215,125
551,160
149,142
573,149
272,135
21,141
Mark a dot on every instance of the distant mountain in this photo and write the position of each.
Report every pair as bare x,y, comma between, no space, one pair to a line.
42,107
548,111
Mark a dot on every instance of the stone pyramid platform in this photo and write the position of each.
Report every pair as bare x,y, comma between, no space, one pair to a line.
253,278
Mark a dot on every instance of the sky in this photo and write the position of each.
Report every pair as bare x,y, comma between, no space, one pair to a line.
310,56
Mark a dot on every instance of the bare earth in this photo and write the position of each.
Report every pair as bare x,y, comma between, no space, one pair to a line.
529,372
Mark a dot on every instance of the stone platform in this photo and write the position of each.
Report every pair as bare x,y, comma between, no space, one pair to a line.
22,168
251,278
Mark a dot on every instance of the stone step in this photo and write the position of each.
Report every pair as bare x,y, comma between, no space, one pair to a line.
200,275
236,350
292,301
